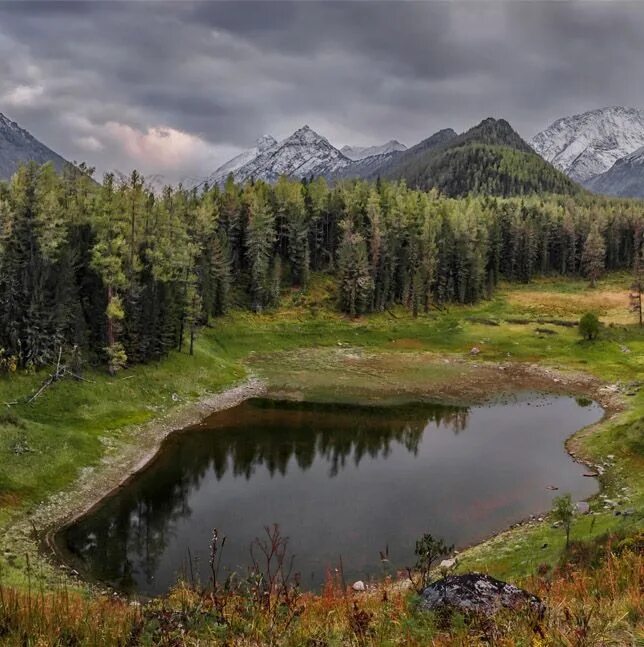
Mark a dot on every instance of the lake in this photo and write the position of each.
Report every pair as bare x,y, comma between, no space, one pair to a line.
341,481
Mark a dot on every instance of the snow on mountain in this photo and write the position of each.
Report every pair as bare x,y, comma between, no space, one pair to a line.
17,146
585,145
625,178
233,165
303,154
360,152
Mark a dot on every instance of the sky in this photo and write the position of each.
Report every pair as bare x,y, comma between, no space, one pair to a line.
174,89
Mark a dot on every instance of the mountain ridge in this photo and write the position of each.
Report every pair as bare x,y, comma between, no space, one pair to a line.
357,153
19,146
624,179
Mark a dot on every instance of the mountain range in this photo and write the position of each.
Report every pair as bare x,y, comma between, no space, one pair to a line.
490,157
602,149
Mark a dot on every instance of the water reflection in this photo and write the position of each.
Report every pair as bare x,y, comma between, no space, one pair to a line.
339,480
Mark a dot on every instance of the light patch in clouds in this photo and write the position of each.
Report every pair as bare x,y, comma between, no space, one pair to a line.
167,147
22,96
89,143
166,151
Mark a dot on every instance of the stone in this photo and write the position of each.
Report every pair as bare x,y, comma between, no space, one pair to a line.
582,507
359,586
479,594
475,350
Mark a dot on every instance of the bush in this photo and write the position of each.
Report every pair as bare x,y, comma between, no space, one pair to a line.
589,326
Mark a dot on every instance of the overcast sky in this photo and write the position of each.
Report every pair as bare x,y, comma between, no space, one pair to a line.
178,88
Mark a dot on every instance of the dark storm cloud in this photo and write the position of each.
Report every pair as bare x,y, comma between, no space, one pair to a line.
176,88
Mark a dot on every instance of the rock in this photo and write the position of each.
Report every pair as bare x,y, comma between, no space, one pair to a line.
628,512
476,593
475,350
557,524
582,507
448,564
551,487
359,586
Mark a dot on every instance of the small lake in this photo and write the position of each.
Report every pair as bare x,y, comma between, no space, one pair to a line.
341,481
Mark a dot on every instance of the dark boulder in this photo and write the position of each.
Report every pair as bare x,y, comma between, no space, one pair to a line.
476,593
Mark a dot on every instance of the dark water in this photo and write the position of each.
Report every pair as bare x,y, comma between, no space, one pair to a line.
340,481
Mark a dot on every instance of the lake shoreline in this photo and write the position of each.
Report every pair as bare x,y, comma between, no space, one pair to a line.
115,472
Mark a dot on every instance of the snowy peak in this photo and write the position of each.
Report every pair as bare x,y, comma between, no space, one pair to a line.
17,146
588,144
305,153
360,152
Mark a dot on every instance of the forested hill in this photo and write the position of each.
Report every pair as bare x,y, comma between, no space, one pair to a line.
490,158
120,275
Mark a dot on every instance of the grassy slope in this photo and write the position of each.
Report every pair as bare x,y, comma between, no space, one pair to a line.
70,425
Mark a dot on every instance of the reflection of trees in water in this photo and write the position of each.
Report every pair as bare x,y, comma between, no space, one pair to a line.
124,539
304,433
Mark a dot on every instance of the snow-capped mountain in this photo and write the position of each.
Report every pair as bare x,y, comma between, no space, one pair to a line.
303,154
360,152
18,146
585,145
233,165
625,178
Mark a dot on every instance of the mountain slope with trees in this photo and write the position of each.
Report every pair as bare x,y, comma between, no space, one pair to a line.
490,158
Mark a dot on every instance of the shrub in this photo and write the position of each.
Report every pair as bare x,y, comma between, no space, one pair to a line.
589,326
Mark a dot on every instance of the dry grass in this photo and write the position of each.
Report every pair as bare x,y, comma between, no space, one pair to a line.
610,305
593,599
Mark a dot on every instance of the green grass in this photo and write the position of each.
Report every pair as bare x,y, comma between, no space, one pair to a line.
308,347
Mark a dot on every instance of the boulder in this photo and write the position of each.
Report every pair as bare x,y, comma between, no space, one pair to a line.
476,593
448,564
359,586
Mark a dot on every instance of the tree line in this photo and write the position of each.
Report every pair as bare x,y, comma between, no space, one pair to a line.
122,275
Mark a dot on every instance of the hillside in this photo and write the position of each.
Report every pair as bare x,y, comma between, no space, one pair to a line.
18,146
489,158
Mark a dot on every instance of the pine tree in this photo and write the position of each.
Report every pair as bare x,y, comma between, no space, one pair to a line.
356,284
259,243
594,255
